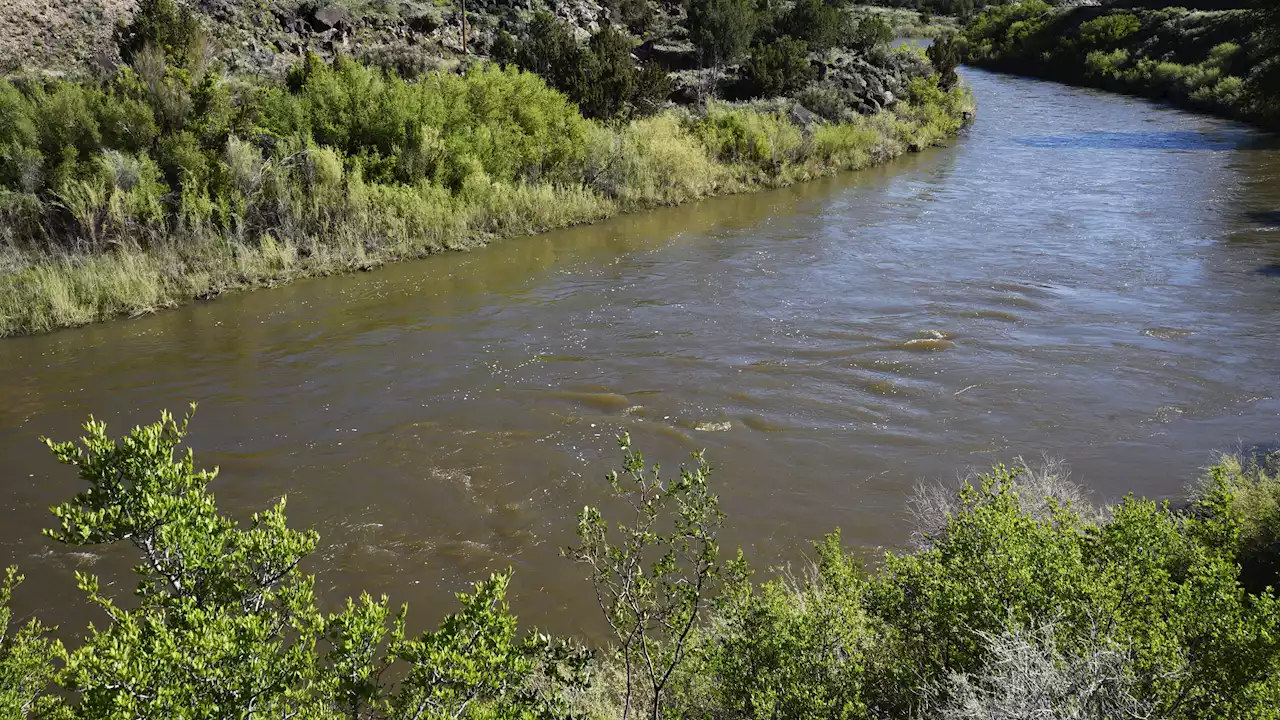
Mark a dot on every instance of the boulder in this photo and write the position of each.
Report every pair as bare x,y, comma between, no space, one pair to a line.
330,17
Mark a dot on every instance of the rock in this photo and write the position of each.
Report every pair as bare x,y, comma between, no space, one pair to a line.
330,17
803,117
426,22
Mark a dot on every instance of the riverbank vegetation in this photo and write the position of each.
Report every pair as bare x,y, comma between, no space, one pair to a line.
1223,62
1021,599
167,179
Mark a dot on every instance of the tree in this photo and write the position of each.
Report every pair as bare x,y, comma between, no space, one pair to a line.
722,30
944,55
871,31
654,580
550,50
601,77
818,23
778,68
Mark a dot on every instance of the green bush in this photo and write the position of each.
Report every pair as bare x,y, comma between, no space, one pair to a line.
226,625
945,56
722,30
818,23
27,654
601,78
751,139
793,648
165,25
870,32
1163,586
1251,491
1109,29
778,68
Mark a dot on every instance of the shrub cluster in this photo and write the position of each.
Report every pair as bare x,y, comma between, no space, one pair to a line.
1022,600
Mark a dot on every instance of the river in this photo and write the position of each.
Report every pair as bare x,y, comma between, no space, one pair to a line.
1080,274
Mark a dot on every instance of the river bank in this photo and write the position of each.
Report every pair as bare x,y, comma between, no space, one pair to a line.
346,224
1215,62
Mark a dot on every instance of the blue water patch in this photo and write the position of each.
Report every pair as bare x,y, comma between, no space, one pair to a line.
1225,139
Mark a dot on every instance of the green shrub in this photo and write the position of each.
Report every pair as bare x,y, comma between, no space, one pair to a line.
1163,586
722,30
741,136
26,660
870,32
818,23
791,648
601,78
1106,64
655,160
1251,490
165,25
1109,29
550,50
945,56
778,68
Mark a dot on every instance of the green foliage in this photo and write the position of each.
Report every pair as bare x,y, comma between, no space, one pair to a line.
614,87
778,68
1248,490
635,15
165,25
870,32
1163,586
794,647
1195,59
945,56
226,625
819,24
26,660
722,30
160,184
1108,30
601,78
753,139
655,579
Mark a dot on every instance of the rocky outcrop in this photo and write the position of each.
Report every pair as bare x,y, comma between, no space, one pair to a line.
266,36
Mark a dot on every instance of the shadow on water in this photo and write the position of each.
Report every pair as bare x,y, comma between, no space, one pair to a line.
1216,140
1272,270
1268,218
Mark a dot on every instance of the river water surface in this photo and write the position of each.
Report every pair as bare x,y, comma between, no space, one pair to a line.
1080,274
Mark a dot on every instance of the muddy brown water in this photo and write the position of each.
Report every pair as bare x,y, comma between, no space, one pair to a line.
1080,274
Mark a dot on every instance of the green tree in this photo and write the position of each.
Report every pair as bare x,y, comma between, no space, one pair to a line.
654,576
778,68
550,50
944,55
871,31
610,75
820,24
722,30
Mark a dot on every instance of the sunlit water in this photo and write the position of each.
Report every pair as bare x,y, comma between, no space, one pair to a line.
1080,274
